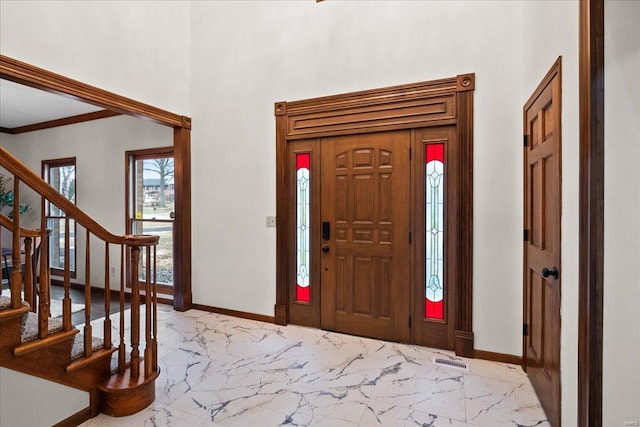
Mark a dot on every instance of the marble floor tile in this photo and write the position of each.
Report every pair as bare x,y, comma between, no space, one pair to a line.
220,370
494,403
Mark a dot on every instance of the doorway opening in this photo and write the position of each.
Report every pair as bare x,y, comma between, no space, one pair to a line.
374,199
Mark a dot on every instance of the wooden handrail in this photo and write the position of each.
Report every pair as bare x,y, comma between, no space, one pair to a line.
25,232
31,179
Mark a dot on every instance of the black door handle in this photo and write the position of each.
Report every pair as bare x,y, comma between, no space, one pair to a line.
325,248
553,273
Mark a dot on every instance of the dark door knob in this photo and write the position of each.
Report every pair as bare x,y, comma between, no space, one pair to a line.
325,248
553,272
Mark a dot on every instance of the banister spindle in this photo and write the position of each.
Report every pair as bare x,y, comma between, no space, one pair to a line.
148,359
121,346
66,301
44,300
15,281
155,310
88,332
135,312
28,274
107,299
34,267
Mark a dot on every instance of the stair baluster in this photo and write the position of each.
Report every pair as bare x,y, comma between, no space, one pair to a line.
122,348
44,298
66,301
16,263
135,312
28,274
107,300
147,310
155,314
88,337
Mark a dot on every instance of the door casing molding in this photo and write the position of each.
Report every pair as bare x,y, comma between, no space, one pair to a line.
591,212
433,103
29,75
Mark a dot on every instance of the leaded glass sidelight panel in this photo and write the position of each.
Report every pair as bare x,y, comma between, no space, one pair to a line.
434,226
303,216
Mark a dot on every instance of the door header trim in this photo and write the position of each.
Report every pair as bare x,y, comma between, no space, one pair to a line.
397,107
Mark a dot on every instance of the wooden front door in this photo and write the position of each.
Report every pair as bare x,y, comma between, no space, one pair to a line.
365,265
363,179
542,201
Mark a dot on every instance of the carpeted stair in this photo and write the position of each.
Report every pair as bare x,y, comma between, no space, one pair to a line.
29,330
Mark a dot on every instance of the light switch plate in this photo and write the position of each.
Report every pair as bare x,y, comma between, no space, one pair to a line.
271,221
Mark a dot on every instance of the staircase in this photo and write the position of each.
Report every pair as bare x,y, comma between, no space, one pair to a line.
118,370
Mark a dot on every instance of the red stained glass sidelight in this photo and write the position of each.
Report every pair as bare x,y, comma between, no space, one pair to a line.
434,227
303,216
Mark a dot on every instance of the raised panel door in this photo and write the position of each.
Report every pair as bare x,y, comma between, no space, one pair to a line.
365,260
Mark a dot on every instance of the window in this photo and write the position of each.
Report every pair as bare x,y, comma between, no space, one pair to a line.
61,175
151,208
434,226
303,214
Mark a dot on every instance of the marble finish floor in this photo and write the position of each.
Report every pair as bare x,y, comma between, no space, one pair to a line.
220,370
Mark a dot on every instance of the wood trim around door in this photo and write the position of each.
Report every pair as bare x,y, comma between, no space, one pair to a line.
29,75
434,103
591,212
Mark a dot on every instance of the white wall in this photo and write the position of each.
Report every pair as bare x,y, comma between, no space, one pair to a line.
293,50
247,55
99,147
621,341
244,56
136,48
550,29
55,402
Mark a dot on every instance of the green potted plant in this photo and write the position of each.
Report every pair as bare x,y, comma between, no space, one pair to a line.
7,198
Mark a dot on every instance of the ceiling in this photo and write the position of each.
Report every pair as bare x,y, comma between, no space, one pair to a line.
22,105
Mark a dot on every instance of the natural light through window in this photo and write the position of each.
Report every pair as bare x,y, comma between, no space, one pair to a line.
61,175
303,250
434,225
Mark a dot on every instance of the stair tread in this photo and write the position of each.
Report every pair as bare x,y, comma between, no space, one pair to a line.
77,349
11,313
96,355
30,326
5,302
